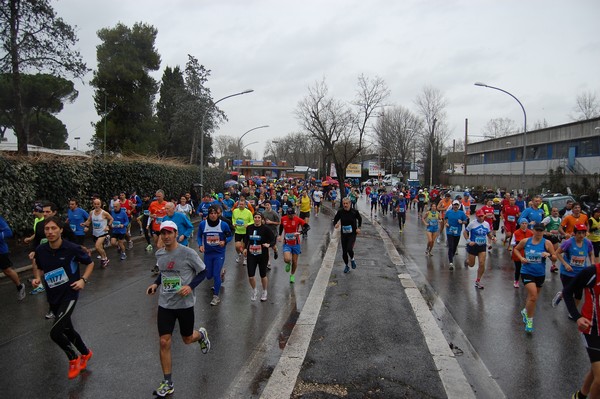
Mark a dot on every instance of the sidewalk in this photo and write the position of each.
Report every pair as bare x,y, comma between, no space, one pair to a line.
368,333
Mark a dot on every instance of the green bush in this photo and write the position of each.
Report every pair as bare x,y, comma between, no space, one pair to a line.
25,181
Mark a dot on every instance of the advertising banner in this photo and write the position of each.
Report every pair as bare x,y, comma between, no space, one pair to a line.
353,170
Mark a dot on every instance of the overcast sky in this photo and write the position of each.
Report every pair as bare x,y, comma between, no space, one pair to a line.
543,52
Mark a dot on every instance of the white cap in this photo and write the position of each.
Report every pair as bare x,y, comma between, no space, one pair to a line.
455,202
168,225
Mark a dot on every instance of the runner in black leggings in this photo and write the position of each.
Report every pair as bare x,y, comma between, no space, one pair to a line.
350,222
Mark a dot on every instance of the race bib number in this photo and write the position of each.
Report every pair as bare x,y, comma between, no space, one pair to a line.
480,240
147,212
255,249
97,225
159,219
453,230
73,227
401,210
510,218
290,238
533,257
239,222
212,239
496,211
284,208
171,284
578,261
116,224
347,229
56,277
433,222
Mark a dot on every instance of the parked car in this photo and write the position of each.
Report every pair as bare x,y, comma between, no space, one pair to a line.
391,180
370,182
557,200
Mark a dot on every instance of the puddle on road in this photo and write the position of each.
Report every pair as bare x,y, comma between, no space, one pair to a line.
287,328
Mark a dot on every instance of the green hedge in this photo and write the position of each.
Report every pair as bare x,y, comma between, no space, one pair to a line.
25,181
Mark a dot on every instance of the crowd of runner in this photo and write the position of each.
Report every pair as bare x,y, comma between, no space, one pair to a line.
257,217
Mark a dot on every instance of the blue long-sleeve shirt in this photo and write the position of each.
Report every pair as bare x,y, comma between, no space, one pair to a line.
184,226
5,232
209,237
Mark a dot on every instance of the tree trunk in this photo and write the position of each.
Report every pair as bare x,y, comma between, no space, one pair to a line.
20,128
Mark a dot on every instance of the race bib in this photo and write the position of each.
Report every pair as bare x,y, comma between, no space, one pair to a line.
533,257
97,225
239,222
433,222
116,224
480,240
401,210
510,218
290,238
496,211
212,239
347,229
73,227
56,277
453,230
171,284
147,212
255,249
159,219
578,261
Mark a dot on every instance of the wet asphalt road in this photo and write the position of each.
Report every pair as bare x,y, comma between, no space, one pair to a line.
486,325
118,322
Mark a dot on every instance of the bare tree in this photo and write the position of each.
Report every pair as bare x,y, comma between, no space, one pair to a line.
339,128
540,124
395,133
431,105
587,106
499,127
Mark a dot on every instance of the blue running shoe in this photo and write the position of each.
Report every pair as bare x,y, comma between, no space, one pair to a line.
353,263
346,269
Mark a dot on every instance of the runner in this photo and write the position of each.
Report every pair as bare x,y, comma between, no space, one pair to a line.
374,197
510,214
291,245
76,218
157,213
184,225
576,252
272,220
129,208
570,221
5,263
520,234
184,207
145,220
213,236
181,270
119,229
476,233
100,221
594,229
454,220
533,214
431,220
552,232
587,323
488,210
57,262
256,248
533,269
420,198
350,222
242,218
317,197
401,207
304,207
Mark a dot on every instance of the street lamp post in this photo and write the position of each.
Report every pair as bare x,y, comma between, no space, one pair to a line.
193,152
242,136
524,130
77,143
242,152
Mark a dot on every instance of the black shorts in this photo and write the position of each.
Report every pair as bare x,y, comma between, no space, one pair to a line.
165,319
528,278
553,238
78,240
304,215
96,238
317,204
238,237
118,237
592,346
566,280
476,249
5,262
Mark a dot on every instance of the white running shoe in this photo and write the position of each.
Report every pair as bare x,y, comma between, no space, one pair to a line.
263,297
254,294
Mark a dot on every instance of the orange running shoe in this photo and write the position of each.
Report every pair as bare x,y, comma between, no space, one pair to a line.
84,359
74,367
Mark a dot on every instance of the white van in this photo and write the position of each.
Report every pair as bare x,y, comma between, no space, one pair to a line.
391,180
